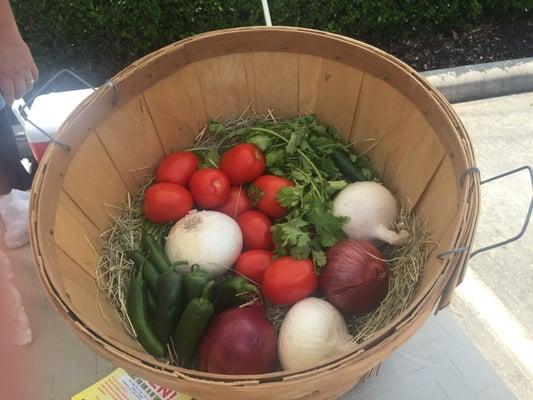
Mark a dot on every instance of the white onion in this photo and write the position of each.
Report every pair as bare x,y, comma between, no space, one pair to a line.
312,331
210,239
371,210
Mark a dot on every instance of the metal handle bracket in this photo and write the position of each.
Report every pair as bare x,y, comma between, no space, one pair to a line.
523,230
528,216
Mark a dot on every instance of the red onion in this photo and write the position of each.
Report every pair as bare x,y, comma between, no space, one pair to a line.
355,279
239,341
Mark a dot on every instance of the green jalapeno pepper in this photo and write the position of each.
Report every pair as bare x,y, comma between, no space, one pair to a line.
191,327
231,293
138,314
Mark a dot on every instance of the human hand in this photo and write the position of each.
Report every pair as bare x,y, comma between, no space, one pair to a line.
18,71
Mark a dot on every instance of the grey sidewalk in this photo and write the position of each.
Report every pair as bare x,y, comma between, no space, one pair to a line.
438,363
494,306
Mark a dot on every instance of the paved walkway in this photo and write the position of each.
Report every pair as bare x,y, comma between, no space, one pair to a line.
494,306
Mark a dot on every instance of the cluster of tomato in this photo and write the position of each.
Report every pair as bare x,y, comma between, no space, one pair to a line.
181,185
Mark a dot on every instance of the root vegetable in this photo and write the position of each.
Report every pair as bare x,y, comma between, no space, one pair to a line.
312,331
208,238
238,341
356,279
371,210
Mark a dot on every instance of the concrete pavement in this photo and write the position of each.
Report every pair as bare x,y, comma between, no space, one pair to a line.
494,305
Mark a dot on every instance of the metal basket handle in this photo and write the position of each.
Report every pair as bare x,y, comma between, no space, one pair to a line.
458,275
55,77
23,108
525,225
528,216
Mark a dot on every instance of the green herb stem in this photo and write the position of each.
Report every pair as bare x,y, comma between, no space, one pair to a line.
270,131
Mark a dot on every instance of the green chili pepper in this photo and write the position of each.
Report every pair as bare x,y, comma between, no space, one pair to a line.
138,314
191,327
231,293
150,273
194,282
349,170
151,304
155,251
169,304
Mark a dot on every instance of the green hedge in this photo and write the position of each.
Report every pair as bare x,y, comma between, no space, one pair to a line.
99,37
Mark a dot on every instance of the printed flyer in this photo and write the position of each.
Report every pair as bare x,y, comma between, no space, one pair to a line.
119,385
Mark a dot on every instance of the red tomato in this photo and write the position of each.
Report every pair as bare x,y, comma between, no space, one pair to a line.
253,264
243,163
209,187
236,203
255,227
166,202
269,185
177,168
288,280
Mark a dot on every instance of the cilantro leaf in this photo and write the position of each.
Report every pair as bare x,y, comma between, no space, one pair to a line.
216,127
300,252
320,141
337,185
334,186
292,238
319,259
294,141
299,176
327,166
328,226
262,141
275,158
210,159
321,130
288,197
277,171
367,174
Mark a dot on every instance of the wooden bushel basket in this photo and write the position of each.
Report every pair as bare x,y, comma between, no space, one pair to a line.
161,102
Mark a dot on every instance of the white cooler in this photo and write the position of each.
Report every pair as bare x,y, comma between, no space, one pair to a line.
48,112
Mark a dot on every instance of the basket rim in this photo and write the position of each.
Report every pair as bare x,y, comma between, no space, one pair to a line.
469,211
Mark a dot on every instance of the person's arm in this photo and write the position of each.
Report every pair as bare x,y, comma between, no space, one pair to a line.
18,72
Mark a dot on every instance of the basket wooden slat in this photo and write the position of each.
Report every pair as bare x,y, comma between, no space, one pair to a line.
161,102
134,158
177,109
82,290
88,170
308,75
76,234
223,89
337,80
378,117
